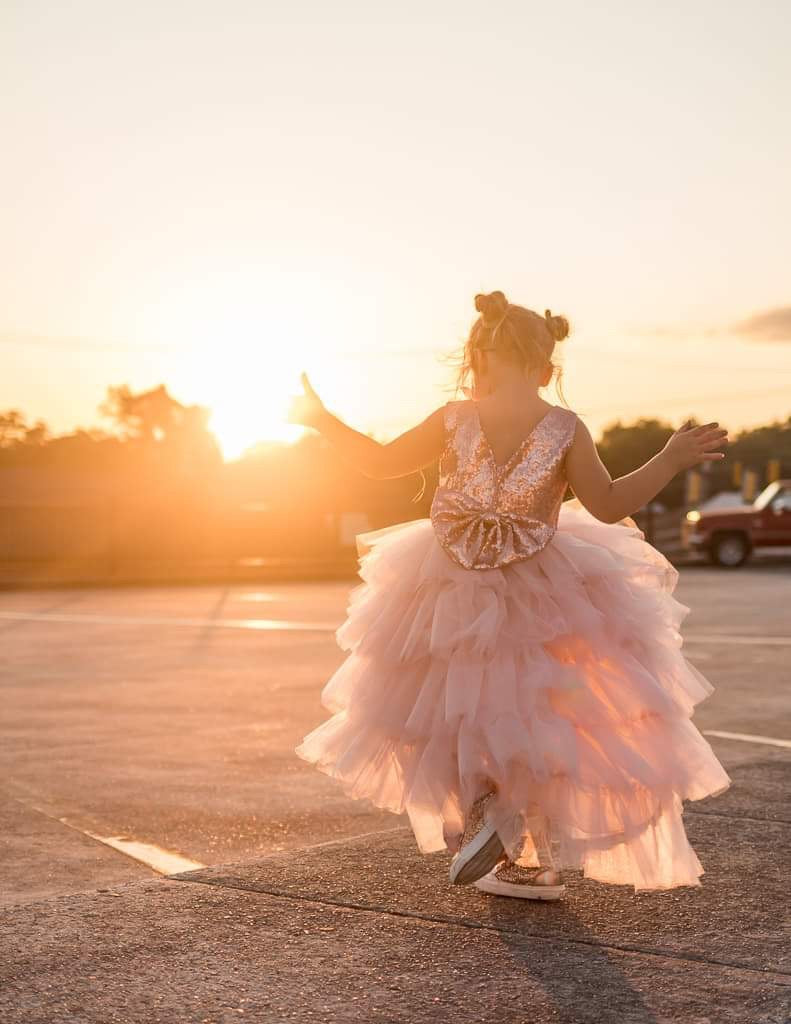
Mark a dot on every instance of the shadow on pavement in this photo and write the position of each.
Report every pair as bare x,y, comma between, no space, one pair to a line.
613,997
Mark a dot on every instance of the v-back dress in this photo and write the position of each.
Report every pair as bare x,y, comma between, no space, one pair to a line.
513,642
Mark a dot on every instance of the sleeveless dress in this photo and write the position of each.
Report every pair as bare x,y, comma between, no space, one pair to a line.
513,642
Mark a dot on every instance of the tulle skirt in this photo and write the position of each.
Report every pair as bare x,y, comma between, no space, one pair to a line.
558,682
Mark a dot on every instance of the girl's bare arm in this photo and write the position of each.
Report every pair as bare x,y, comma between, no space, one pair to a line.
611,500
406,454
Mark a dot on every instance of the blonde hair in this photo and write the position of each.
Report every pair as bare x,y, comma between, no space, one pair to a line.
516,332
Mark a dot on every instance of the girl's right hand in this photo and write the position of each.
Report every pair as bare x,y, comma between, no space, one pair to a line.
689,446
307,408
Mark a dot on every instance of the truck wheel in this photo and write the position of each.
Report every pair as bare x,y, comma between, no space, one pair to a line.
729,550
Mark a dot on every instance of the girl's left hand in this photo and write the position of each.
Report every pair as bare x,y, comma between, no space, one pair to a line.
307,408
689,446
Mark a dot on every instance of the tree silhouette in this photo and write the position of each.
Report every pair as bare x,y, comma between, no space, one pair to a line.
156,420
14,430
151,415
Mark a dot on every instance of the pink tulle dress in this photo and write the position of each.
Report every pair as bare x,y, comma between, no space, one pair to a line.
512,642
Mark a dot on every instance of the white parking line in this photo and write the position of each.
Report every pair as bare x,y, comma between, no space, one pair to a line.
745,737
264,625
164,862
737,638
295,625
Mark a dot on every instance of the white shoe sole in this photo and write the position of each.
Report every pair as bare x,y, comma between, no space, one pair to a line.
479,856
523,891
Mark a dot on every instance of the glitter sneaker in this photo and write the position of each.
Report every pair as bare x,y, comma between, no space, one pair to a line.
510,879
480,848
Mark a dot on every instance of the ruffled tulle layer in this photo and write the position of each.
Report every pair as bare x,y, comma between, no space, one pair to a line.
558,681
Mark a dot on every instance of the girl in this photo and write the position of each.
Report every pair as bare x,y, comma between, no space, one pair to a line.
515,682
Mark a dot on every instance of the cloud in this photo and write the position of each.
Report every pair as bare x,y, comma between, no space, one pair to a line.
773,325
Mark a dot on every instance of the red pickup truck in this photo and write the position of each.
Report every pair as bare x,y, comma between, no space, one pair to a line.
727,536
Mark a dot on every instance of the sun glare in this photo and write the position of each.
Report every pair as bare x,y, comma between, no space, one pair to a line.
248,342
249,396
238,428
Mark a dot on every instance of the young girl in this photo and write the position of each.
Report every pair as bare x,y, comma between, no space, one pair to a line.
515,682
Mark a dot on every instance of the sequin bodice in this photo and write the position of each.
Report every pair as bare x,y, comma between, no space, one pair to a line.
486,515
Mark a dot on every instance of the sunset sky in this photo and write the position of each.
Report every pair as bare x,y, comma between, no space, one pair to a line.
217,196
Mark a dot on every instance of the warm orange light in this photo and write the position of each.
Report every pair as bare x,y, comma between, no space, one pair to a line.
238,429
243,351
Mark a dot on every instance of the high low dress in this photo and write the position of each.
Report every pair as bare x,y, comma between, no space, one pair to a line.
514,643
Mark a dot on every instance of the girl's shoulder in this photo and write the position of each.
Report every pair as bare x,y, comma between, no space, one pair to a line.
566,415
456,411
566,421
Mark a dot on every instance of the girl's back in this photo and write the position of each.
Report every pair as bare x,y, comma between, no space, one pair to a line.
490,511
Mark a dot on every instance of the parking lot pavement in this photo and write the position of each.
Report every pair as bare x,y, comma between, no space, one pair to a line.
162,723
366,929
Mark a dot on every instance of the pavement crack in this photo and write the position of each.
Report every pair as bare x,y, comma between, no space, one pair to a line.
778,977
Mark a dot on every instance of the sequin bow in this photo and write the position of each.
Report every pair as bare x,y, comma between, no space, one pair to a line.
480,537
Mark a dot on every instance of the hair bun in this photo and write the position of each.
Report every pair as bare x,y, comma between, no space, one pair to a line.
558,326
492,307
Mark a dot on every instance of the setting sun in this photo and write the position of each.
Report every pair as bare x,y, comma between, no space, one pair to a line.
242,343
237,428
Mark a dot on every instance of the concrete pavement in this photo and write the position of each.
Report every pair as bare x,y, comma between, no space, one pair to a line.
368,930
179,734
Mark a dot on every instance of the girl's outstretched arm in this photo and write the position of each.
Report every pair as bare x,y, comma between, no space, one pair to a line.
408,453
611,500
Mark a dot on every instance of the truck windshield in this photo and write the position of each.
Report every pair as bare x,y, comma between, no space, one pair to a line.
767,494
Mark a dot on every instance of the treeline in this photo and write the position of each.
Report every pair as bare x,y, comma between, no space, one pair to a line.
624,447
152,499
165,445
150,431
